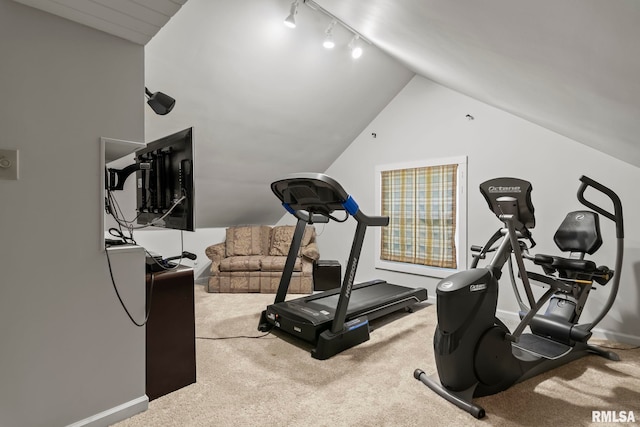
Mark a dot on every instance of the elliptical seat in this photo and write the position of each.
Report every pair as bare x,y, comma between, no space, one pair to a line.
579,233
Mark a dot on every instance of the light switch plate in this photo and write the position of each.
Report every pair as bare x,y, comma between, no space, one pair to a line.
9,164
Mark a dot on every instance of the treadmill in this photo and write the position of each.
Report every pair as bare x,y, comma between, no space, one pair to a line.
337,319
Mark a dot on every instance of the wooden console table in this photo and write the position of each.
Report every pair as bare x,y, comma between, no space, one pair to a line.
170,332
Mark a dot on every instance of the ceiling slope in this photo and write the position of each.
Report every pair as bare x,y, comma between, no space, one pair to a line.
264,100
134,20
569,66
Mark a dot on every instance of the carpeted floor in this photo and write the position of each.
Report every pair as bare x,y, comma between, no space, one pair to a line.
273,381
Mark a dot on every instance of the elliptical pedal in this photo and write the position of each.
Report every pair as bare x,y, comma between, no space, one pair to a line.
541,346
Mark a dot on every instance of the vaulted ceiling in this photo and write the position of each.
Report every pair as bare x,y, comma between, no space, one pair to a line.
134,20
265,100
571,66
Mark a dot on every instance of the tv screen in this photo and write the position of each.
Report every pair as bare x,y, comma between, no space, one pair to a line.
165,193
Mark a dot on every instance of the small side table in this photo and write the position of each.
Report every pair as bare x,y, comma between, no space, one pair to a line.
170,332
326,275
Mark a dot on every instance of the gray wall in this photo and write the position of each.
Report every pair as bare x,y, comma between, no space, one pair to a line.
426,121
68,351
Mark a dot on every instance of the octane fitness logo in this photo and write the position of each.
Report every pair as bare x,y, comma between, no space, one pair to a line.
613,417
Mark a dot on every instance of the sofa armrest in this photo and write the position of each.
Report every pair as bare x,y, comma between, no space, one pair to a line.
216,254
310,252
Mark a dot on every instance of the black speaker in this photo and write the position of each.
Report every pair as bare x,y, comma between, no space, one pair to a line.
326,275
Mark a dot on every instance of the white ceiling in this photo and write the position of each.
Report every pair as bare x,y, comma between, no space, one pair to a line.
571,66
134,20
266,101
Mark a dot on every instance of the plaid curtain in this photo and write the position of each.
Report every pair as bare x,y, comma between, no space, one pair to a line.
421,205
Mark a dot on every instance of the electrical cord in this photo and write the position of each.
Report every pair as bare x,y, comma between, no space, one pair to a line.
119,218
115,288
231,338
119,234
337,219
113,208
163,266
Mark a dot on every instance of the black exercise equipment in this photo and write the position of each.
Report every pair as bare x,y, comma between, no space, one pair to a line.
475,353
336,319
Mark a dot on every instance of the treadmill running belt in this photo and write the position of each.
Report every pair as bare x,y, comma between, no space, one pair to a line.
361,298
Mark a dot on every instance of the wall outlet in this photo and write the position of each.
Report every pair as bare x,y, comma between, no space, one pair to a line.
9,164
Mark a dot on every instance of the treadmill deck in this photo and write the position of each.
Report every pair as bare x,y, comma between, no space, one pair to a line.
307,317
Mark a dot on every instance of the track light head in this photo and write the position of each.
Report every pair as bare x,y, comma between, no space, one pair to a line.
328,42
356,49
290,21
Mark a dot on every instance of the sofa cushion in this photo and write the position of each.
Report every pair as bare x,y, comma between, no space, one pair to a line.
282,235
248,240
276,263
241,263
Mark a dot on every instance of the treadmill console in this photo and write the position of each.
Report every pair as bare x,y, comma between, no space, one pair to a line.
312,192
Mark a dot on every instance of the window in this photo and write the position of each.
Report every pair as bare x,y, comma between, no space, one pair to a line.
426,205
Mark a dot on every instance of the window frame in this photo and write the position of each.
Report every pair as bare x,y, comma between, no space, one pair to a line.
461,218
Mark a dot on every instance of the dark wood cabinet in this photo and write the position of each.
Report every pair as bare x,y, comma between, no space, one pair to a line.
170,332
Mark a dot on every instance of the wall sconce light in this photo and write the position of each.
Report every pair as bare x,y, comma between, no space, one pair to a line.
290,21
160,102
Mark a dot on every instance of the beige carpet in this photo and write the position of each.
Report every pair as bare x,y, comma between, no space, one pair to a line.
272,382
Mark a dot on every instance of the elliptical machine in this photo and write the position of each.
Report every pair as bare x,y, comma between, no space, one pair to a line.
476,354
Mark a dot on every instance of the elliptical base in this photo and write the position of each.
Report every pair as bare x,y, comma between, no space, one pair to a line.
461,399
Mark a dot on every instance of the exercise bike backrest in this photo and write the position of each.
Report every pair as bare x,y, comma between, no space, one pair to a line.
579,234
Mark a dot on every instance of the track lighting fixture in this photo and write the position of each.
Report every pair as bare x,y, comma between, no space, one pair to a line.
328,38
355,46
356,49
290,21
160,102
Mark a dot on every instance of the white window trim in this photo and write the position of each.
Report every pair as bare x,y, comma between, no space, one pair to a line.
461,219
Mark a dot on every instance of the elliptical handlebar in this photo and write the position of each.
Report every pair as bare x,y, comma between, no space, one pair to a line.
617,205
617,218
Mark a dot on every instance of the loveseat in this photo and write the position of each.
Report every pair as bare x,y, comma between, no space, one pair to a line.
251,259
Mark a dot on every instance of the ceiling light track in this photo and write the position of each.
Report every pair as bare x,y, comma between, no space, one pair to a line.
355,44
315,6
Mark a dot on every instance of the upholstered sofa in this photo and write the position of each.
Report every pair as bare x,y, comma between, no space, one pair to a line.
251,259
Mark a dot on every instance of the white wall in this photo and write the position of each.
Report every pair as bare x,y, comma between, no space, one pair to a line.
68,351
427,120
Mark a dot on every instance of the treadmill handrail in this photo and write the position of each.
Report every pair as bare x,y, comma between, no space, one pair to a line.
372,221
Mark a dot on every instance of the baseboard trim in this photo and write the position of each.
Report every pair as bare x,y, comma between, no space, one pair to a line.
115,414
